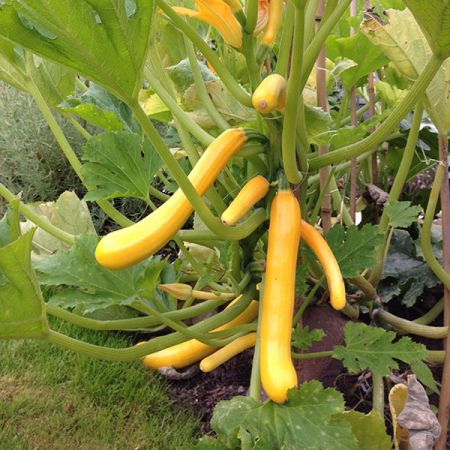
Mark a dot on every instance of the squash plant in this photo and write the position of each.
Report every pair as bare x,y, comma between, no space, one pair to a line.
244,127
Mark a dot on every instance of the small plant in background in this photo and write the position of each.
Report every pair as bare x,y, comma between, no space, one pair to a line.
251,134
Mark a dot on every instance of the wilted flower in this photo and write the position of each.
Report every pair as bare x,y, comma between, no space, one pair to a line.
263,16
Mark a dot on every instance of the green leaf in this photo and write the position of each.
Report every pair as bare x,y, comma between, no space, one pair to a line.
307,420
367,57
434,20
412,275
405,45
317,124
100,108
78,268
371,348
303,337
369,430
22,309
402,214
118,165
355,249
105,40
424,374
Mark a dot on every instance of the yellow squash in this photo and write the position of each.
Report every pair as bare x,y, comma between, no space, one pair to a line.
252,192
227,352
330,266
128,246
270,94
189,352
277,370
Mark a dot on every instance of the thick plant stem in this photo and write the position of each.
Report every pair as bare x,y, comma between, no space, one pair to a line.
354,167
284,52
155,344
313,49
67,149
251,14
202,91
293,91
255,378
198,132
425,238
233,86
378,394
407,326
212,222
137,323
40,221
444,398
312,355
432,314
396,189
380,134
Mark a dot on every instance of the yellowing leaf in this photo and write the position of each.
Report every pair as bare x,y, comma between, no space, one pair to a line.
406,46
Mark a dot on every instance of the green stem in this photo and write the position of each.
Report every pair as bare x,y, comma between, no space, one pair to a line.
155,344
284,51
310,20
307,301
393,119
198,132
157,194
78,127
40,221
378,394
68,151
201,89
347,120
255,379
313,49
312,355
425,236
134,324
251,13
432,314
213,223
254,73
411,327
288,137
233,86
435,356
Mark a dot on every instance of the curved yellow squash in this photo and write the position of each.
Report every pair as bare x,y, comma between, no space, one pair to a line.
128,246
330,266
189,352
277,370
252,192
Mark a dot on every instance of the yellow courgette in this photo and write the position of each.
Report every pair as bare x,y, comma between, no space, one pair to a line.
251,193
128,246
276,368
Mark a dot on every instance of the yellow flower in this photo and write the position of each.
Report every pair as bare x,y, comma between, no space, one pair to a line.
218,14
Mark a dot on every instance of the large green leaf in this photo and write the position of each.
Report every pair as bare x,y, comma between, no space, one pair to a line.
354,249
119,165
402,214
371,348
307,420
90,286
105,40
406,46
22,310
367,56
369,429
433,16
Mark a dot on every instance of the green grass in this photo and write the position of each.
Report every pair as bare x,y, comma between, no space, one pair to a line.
54,399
